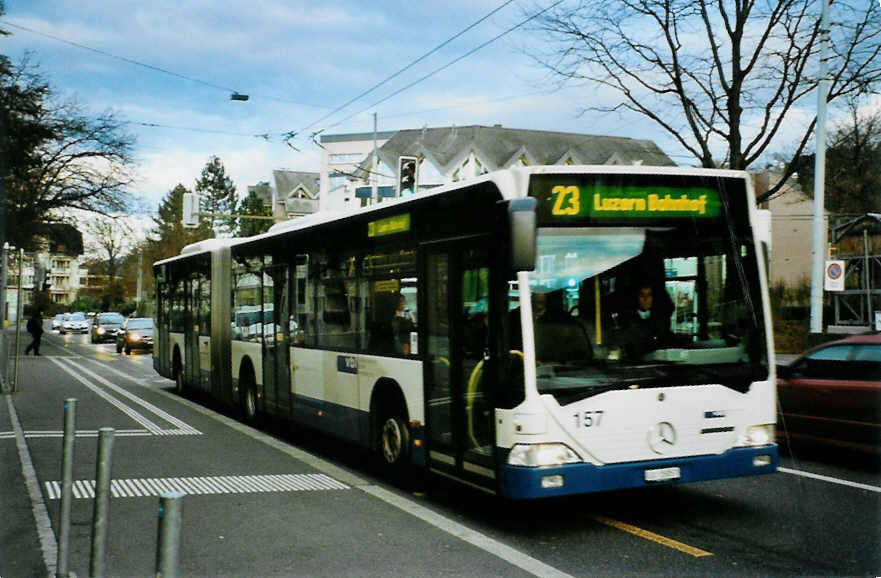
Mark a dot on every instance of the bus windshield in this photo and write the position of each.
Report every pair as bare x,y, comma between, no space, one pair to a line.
645,306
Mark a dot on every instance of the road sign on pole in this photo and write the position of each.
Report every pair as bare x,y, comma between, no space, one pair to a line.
834,278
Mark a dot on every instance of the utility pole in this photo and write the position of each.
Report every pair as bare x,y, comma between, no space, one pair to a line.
818,262
140,279
373,172
4,266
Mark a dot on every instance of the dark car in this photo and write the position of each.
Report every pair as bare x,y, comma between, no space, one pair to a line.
104,327
832,394
135,333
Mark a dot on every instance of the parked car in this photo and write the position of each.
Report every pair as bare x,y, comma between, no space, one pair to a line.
104,327
135,333
57,321
76,323
832,394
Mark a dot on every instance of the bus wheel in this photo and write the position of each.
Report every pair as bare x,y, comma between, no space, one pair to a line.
179,380
250,403
394,440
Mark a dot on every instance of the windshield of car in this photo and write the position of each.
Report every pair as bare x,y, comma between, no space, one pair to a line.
78,317
110,318
651,306
139,324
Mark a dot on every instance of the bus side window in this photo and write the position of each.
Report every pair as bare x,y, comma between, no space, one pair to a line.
301,327
337,291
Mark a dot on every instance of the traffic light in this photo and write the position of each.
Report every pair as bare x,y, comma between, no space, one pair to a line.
407,175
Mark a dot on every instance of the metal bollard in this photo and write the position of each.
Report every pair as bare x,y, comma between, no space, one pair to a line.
168,546
66,486
101,511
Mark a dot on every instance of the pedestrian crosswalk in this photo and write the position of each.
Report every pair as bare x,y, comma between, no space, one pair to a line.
146,487
92,433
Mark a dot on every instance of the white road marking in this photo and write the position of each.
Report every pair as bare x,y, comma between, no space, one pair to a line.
147,487
41,516
182,428
830,479
84,433
473,537
466,534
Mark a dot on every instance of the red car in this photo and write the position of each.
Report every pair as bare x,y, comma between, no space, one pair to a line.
832,394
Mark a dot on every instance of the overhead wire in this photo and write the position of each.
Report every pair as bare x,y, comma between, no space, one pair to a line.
407,67
150,66
447,65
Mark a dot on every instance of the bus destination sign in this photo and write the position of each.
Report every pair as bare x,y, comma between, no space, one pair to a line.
561,202
389,226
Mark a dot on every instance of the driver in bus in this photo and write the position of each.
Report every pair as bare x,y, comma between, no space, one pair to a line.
644,328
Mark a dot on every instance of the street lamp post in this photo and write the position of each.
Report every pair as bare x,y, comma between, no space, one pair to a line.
19,308
4,265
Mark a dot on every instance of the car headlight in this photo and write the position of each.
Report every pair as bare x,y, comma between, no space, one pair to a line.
758,435
537,455
134,336
100,331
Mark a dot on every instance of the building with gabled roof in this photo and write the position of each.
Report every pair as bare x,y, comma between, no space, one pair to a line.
451,154
296,193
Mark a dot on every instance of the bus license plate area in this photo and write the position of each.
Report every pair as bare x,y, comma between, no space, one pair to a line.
662,474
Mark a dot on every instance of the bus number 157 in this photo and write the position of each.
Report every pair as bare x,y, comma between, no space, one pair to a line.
588,418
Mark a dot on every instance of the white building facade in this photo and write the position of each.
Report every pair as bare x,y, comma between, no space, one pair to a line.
341,156
452,154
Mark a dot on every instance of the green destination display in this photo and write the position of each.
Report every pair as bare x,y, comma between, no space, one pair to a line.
597,202
389,226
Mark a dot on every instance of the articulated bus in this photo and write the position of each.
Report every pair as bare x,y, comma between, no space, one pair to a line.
533,332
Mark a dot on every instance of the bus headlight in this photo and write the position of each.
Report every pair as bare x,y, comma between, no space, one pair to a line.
537,455
758,435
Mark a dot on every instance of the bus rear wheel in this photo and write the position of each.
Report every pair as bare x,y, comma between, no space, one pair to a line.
249,404
179,380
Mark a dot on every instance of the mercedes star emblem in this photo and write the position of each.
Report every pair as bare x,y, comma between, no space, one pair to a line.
662,437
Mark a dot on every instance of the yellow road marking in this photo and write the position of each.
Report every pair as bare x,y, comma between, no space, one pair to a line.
690,550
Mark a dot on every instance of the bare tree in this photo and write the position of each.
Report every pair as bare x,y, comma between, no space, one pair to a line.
716,74
111,239
53,156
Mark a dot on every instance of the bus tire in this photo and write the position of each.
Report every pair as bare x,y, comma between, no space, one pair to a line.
249,395
394,440
178,376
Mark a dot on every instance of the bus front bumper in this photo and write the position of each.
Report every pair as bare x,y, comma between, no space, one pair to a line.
520,482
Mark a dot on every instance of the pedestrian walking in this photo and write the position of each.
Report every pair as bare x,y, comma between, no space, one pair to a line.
35,328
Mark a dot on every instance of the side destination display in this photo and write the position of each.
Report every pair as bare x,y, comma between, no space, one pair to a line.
569,203
389,226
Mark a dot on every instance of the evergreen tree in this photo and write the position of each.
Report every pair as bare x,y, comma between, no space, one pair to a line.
253,205
218,196
169,235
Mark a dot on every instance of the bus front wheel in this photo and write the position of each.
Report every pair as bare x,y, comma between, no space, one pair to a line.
394,440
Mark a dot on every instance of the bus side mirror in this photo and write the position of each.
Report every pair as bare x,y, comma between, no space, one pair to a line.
522,221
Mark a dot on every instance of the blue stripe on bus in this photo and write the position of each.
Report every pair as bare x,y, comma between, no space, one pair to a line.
518,482
348,423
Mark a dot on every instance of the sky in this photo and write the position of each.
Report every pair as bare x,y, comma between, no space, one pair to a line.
298,60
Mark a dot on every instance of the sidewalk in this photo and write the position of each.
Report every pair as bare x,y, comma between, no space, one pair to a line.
20,549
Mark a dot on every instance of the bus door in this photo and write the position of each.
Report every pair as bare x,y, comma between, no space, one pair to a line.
458,365
193,292
160,332
276,341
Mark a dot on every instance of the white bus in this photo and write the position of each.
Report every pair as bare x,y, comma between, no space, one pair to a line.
492,331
